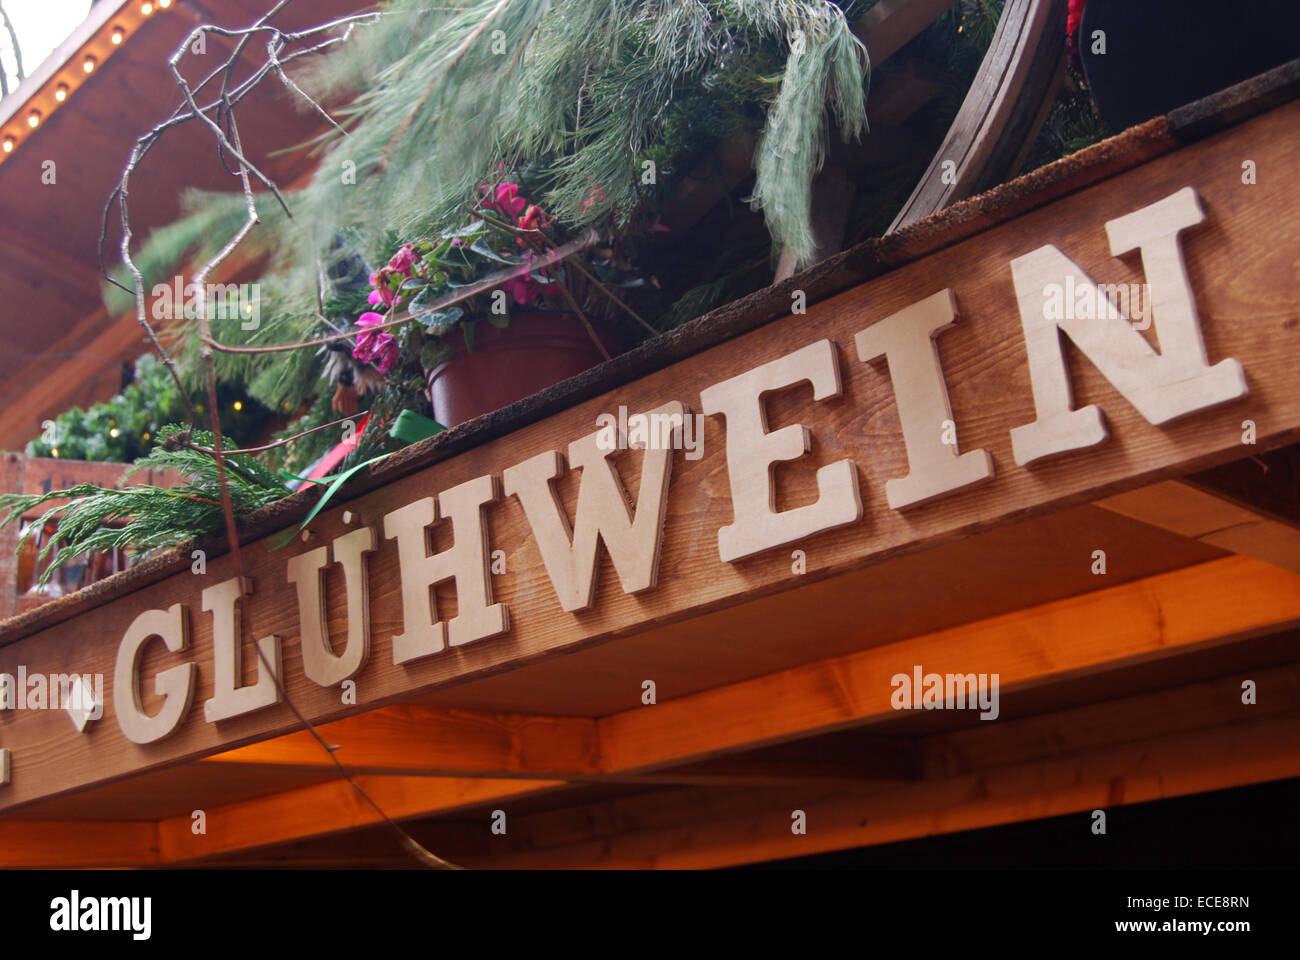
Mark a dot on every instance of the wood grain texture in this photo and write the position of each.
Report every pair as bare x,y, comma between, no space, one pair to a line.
1212,519
28,844
331,808
1241,262
1145,621
691,829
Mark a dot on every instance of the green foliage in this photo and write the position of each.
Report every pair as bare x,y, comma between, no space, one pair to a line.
127,426
145,519
587,90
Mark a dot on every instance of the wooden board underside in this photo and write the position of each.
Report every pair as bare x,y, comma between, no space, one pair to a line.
1239,262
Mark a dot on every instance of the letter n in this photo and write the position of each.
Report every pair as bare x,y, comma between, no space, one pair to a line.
1162,386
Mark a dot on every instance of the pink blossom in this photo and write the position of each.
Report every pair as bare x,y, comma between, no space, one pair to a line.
403,260
375,346
523,288
375,297
508,200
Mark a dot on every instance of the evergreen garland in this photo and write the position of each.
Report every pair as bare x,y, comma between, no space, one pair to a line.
145,519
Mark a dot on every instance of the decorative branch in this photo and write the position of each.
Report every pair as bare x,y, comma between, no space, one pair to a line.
219,118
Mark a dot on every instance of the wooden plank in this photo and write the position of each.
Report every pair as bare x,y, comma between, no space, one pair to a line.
416,740
1174,710
81,844
1235,264
1204,605
412,740
1199,514
688,830
331,808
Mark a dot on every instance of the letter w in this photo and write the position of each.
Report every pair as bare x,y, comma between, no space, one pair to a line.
569,551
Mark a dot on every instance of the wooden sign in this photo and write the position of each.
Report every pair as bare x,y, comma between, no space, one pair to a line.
996,378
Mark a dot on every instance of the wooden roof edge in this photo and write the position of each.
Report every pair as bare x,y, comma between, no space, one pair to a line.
59,58
856,265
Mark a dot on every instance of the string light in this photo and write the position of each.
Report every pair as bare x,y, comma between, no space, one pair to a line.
88,64
118,35
9,145
61,93
239,405
164,4
115,433
33,118
146,8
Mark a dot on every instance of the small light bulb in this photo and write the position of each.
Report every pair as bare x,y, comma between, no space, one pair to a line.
164,3
61,93
9,145
239,405
33,118
118,35
146,8
88,64
115,433
54,451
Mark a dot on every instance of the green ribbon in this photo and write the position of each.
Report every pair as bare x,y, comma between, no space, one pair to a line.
409,427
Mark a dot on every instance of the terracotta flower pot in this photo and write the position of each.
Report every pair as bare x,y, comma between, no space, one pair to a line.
535,351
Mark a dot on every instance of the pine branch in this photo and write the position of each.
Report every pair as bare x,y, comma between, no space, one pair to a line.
145,519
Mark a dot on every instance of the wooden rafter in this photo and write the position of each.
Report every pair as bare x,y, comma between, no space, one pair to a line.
1201,514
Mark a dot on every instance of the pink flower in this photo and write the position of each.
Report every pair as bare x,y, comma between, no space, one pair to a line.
403,260
375,297
375,346
508,200
523,288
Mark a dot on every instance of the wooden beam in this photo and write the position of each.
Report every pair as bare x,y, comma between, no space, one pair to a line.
692,829
329,808
31,844
1170,711
416,740
1200,606
1209,517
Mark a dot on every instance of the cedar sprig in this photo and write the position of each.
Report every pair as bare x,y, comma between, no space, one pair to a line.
144,518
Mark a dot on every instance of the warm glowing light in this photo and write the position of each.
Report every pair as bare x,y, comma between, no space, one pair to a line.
54,451
146,8
61,93
9,145
115,433
118,35
239,405
33,118
88,64
164,3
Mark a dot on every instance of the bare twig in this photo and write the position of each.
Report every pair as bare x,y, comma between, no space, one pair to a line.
218,117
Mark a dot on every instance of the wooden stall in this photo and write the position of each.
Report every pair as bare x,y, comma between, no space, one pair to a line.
990,520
